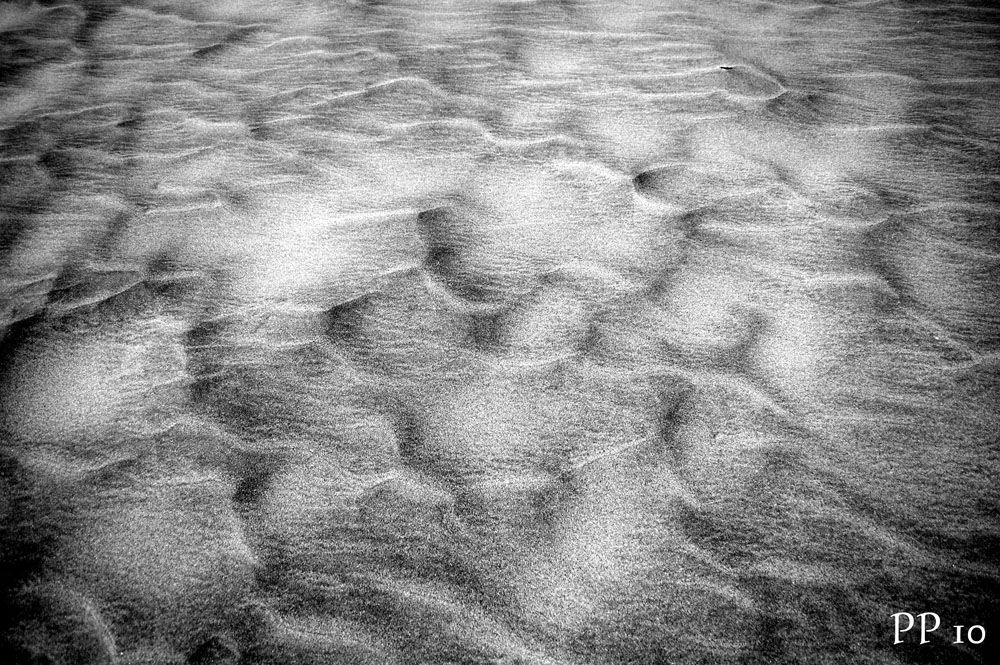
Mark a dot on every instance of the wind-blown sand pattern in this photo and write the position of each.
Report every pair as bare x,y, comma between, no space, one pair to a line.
498,332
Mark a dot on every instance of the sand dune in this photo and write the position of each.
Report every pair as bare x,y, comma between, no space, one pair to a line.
501,332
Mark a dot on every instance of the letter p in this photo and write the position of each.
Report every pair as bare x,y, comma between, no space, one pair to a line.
909,618
923,625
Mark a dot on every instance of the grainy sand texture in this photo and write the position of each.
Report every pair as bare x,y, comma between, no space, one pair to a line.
502,332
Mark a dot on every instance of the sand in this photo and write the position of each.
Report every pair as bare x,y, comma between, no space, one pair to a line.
497,332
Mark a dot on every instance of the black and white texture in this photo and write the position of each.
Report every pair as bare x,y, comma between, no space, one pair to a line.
496,332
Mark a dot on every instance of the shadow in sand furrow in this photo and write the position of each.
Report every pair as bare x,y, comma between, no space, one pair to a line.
697,187
817,541
979,380
346,320
828,609
676,404
73,292
29,531
358,575
73,168
490,332
178,546
319,640
820,109
58,625
402,507
734,353
550,314
42,620
331,577
748,81
255,472
928,259
430,621
97,12
515,512
409,328
96,297
866,200
44,35
876,247
458,253
24,301
262,394
845,613
237,37
216,650
113,545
